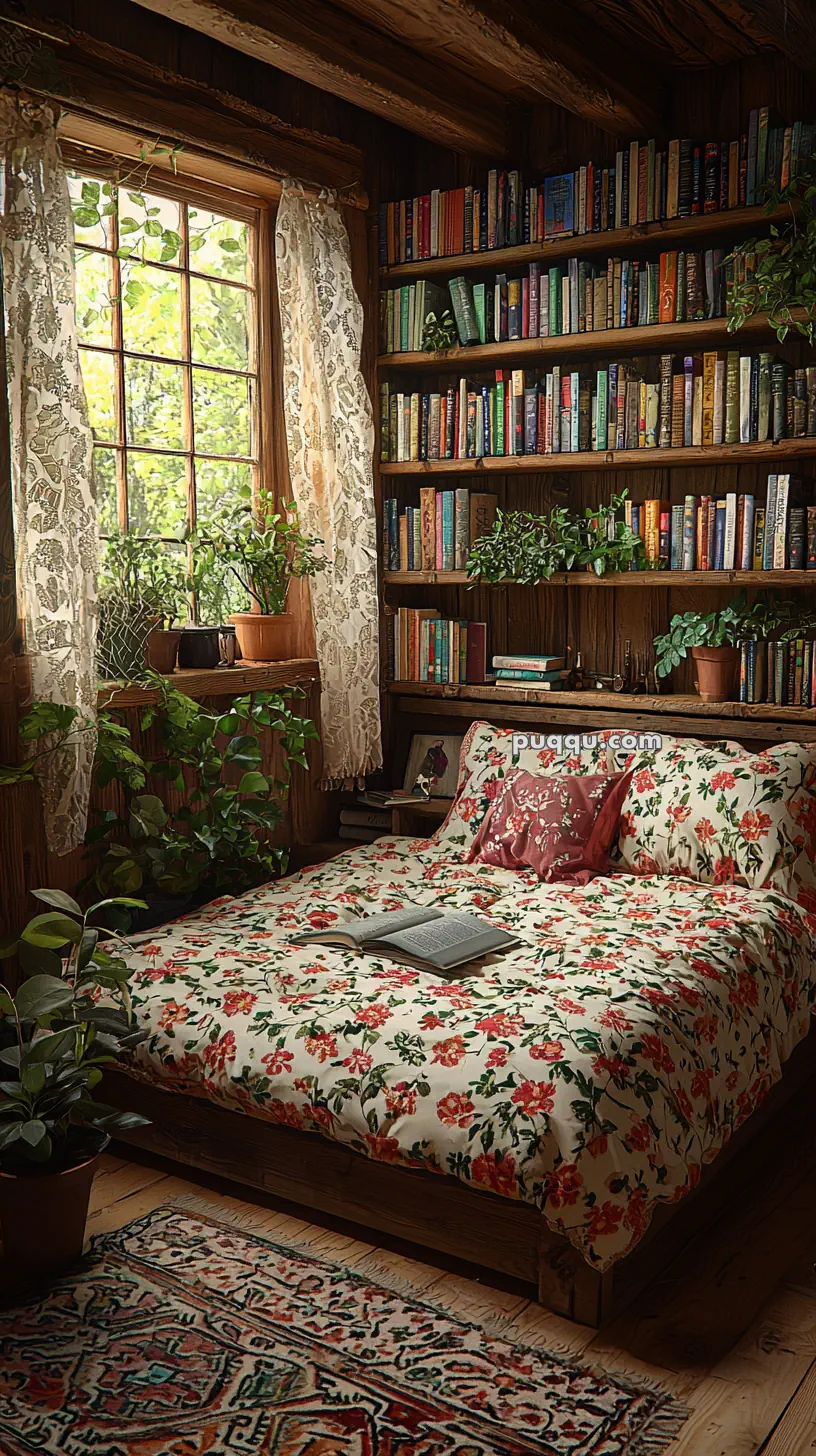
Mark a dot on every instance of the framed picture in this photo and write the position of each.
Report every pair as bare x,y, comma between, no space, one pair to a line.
434,756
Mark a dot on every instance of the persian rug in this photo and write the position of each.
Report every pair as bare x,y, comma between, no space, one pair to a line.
180,1336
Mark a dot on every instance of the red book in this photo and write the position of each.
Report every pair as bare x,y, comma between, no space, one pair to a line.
476,652
541,433
540,216
525,308
590,196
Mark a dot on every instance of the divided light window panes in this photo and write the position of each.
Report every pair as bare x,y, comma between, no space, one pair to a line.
167,324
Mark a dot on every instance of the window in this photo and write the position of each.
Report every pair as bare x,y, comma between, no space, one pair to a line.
167,320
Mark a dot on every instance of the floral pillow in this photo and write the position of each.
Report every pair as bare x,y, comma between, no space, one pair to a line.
718,813
487,758
561,825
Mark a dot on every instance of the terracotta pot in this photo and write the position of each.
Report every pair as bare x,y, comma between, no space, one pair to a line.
717,669
162,649
264,639
199,647
42,1219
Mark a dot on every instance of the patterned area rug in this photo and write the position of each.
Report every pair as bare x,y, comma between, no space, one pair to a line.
178,1336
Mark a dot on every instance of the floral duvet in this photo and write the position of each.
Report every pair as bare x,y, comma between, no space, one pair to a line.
592,1072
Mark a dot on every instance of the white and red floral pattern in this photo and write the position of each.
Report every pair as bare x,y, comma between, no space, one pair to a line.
722,814
592,1073
486,759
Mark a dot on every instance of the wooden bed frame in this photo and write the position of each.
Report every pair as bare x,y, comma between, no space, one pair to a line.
440,1212
437,1212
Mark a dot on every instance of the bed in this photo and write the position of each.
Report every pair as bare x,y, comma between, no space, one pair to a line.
536,1116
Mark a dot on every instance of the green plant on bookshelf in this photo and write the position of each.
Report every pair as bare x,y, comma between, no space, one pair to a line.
778,273
439,333
527,548
713,639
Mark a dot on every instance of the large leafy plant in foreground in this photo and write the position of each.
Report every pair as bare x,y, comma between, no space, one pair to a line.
56,1035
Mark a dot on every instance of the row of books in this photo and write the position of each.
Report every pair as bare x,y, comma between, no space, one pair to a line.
783,673
711,398
570,298
424,647
437,534
647,183
730,532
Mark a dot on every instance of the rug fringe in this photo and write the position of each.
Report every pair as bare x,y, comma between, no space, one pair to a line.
660,1429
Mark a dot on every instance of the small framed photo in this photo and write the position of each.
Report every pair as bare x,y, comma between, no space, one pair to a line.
434,756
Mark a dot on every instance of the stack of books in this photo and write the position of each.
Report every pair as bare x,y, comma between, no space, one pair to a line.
710,398
424,647
364,825
647,183
783,673
437,534
575,297
523,669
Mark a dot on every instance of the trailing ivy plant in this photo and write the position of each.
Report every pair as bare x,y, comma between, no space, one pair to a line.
527,548
439,333
777,274
732,625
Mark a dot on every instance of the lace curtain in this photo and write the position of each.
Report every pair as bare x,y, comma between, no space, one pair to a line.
330,439
56,539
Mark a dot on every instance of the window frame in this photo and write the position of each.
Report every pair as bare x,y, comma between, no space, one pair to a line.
258,211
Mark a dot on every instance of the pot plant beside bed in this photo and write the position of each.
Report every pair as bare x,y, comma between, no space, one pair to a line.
55,1040
264,549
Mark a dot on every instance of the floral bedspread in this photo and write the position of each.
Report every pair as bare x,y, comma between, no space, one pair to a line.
591,1072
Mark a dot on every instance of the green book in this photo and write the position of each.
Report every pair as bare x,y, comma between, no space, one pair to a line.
480,311
500,445
555,301
732,398
764,413
405,303
603,395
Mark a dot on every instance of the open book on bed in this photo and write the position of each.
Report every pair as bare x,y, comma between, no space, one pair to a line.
431,940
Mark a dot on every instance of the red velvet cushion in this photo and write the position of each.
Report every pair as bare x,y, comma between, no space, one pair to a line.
562,825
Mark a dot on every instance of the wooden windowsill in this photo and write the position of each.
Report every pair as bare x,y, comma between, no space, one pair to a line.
215,682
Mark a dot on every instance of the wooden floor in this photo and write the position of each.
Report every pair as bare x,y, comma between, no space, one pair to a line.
730,1328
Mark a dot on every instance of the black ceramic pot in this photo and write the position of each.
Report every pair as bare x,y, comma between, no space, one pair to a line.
199,647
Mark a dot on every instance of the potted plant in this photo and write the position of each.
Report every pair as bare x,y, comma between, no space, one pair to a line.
714,639
141,589
201,641
264,549
55,1040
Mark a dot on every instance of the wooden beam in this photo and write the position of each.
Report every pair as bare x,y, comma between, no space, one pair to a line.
113,84
788,26
313,40
532,52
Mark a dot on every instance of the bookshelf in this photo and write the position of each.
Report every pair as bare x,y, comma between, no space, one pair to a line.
634,606
660,579
696,229
680,338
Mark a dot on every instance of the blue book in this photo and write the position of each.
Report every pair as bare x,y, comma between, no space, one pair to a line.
409,512
719,535
559,203
634,563
448,538
510,674
676,560
393,535
486,419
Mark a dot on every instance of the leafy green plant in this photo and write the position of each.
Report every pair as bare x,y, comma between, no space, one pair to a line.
137,570
732,625
264,549
99,200
439,333
528,548
777,274
217,838
56,727
56,1036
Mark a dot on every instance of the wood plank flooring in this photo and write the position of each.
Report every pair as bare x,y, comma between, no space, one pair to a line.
729,1328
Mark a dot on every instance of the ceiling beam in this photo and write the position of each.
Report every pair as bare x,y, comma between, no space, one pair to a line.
314,41
787,25
549,52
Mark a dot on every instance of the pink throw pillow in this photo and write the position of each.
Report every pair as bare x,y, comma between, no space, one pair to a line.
562,826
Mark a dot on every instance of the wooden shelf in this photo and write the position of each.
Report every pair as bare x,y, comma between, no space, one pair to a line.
614,578
662,338
646,459
684,714
215,682
672,232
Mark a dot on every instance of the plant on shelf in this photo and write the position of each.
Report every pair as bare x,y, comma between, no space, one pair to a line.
70,1018
713,639
777,274
264,549
143,587
439,333
527,548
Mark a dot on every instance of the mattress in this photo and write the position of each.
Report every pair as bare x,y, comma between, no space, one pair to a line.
591,1073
